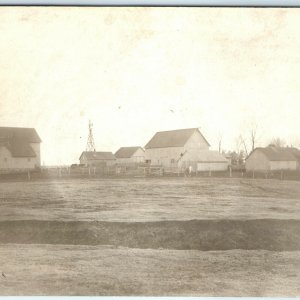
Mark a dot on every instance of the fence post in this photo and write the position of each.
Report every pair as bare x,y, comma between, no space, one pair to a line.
253,174
230,172
28,174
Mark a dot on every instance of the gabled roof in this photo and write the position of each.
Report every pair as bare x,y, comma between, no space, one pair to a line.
280,153
96,155
172,138
126,152
26,134
17,140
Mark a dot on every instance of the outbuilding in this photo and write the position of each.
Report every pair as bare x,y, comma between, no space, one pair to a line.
211,161
97,159
130,155
273,158
19,149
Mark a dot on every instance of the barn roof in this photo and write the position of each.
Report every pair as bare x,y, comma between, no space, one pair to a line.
207,156
96,155
280,153
126,152
172,138
26,134
17,140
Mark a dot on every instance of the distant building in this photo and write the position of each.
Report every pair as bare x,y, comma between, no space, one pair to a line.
175,148
19,149
183,148
97,159
211,161
273,158
128,155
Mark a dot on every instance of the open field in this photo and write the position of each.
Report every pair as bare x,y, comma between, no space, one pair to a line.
95,270
141,200
147,236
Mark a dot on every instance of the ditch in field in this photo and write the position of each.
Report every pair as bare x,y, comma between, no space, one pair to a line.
263,234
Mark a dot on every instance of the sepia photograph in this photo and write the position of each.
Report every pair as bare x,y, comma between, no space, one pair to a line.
149,151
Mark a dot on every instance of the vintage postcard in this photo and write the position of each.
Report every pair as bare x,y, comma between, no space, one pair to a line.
149,151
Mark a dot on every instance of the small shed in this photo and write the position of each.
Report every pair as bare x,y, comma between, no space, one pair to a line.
97,159
211,161
129,155
273,158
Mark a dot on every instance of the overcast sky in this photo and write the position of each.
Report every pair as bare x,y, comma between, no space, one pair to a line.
135,71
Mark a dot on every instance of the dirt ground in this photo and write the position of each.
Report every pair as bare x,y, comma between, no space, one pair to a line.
146,236
94,270
150,199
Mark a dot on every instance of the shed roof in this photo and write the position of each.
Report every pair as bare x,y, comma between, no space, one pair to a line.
126,152
207,156
17,140
280,153
96,155
172,138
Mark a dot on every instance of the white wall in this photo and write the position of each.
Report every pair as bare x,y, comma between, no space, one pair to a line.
164,156
7,162
169,157
196,142
283,165
216,166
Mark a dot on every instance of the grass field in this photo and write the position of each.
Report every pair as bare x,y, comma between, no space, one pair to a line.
128,200
147,236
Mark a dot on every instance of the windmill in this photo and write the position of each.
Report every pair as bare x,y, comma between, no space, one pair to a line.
90,146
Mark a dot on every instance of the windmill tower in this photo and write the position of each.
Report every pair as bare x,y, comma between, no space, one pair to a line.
90,146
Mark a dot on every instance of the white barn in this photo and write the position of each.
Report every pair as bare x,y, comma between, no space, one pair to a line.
130,155
273,158
183,148
19,149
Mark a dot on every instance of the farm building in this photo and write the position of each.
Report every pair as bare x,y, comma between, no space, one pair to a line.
97,159
129,155
19,149
273,158
211,161
182,148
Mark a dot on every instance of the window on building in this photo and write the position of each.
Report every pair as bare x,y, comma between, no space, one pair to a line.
5,159
28,159
172,161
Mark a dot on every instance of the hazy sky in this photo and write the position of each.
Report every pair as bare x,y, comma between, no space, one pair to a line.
135,71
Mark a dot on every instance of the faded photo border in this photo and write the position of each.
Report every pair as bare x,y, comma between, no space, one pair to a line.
155,3
221,3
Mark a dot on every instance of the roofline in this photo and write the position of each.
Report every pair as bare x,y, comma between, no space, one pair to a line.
195,128
32,128
265,155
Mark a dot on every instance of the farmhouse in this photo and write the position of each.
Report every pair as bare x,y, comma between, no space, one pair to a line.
19,149
273,158
129,155
182,148
97,159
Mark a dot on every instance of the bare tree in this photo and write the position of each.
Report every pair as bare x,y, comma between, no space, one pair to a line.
278,142
253,136
220,138
241,145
